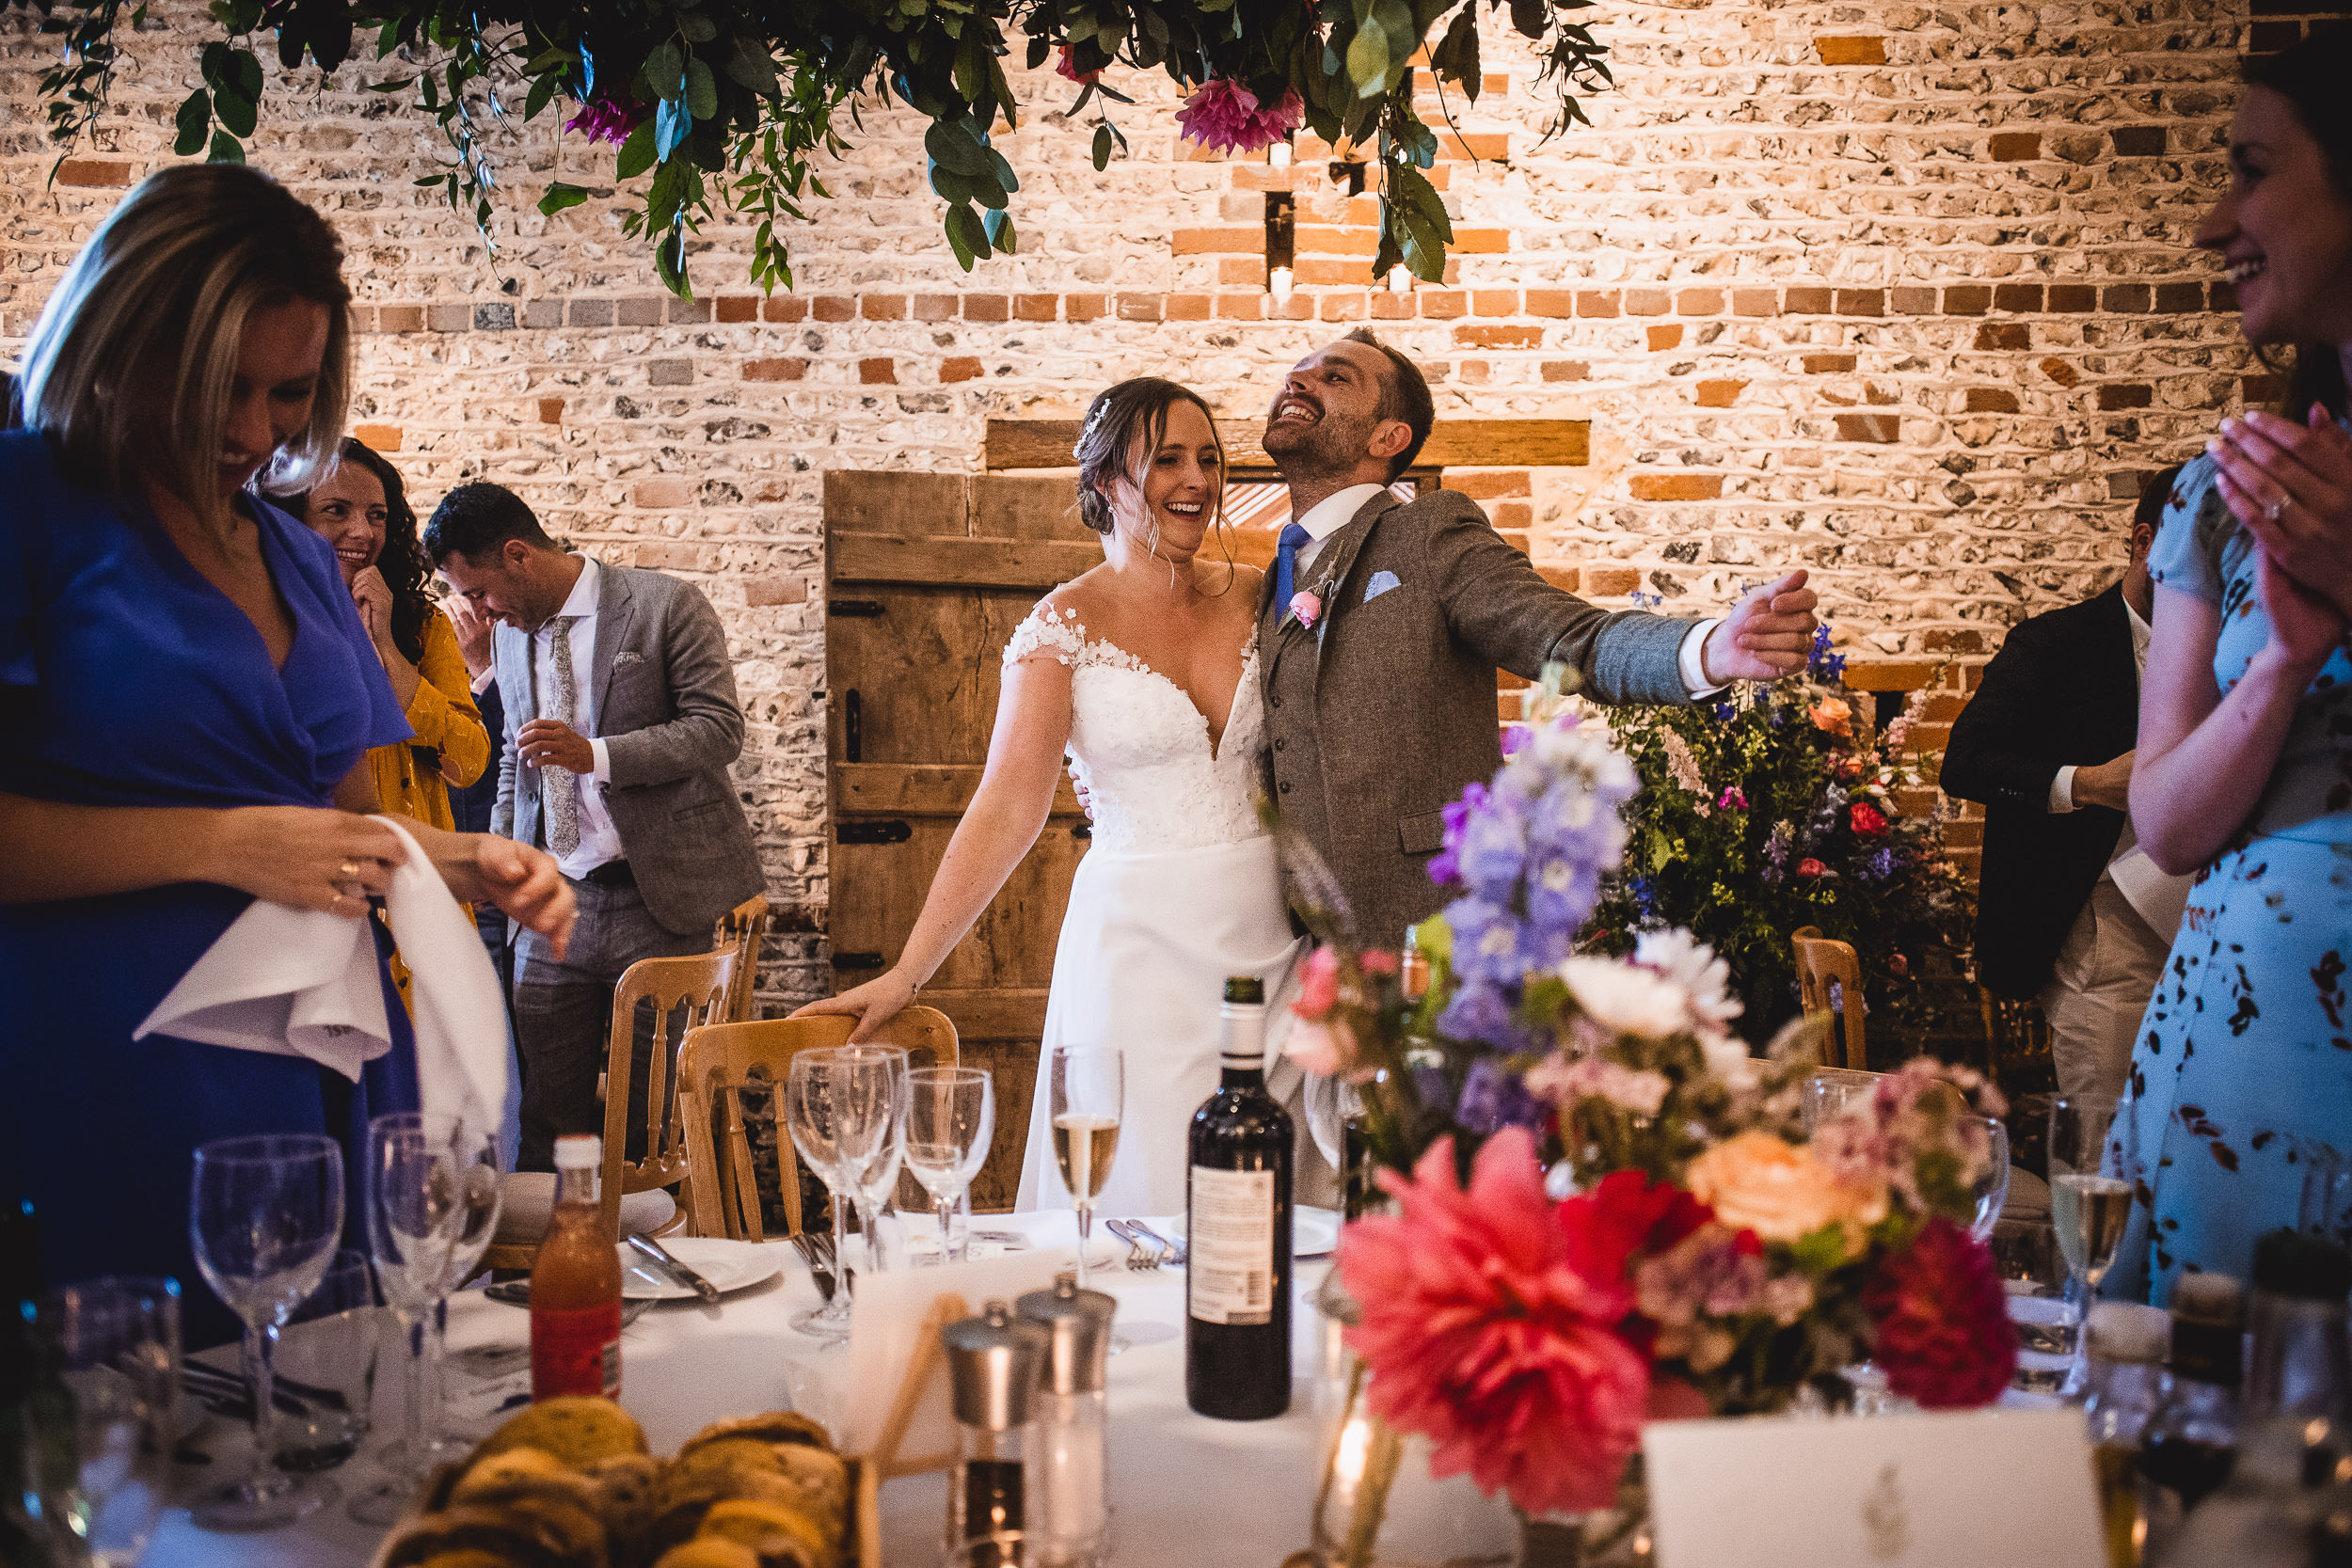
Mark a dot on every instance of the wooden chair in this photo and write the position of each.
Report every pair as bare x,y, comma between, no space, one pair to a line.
634,1203
742,929
717,1060
1822,964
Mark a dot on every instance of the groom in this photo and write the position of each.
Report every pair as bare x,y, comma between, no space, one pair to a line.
1384,622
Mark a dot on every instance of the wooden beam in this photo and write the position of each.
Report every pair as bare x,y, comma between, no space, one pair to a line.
1039,564
916,789
1453,444
990,1015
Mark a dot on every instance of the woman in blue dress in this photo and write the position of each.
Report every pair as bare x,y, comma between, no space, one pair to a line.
186,699
2243,1065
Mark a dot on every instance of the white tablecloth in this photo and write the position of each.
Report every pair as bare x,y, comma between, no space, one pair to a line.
685,1364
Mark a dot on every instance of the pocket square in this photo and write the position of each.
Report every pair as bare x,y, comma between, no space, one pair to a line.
627,656
1381,582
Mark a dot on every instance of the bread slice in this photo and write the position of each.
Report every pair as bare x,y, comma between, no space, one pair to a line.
624,1487
774,1426
577,1429
525,1535
782,1536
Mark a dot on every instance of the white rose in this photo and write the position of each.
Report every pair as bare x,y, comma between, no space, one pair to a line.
1627,1000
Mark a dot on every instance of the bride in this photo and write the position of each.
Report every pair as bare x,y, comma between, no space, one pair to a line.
1144,670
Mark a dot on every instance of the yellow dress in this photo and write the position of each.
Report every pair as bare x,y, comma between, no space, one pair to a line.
443,715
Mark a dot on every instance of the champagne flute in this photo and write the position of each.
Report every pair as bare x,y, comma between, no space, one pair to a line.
98,1419
1991,1186
873,1134
265,1215
813,1092
1087,1089
2090,1202
951,1118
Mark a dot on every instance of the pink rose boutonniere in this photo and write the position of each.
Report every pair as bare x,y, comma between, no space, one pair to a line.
1307,608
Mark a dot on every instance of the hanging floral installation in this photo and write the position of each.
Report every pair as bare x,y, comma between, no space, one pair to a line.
728,105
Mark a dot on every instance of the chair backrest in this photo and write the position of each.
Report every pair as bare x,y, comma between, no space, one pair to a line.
716,1061
742,929
1829,980
697,985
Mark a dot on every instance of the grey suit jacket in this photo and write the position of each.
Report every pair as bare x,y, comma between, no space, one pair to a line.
665,706
1379,715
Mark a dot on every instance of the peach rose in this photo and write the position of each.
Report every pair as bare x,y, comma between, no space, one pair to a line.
1756,1182
1834,715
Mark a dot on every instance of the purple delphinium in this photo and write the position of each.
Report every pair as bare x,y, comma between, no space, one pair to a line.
1494,1098
1492,852
1821,663
1480,1011
1777,848
1879,864
1490,943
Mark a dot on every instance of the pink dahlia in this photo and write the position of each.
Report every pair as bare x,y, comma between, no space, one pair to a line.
1484,1334
1224,117
1943,1333
603,119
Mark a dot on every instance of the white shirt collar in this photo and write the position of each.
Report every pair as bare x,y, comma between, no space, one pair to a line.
2141,632
581,604
1334,511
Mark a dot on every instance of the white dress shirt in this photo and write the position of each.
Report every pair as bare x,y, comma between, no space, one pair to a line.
2158,896
1334,511
2062,786
599,840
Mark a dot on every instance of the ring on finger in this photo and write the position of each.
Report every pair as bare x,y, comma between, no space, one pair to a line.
2277,508
349,871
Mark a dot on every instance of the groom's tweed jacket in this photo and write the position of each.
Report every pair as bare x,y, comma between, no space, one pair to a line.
1378,714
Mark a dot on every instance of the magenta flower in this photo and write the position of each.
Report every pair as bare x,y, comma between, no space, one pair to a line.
1484,1334
1224,117
602,119
1305,606
1732,798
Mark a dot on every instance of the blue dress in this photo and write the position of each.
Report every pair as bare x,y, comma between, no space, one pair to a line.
127,680
2244,1063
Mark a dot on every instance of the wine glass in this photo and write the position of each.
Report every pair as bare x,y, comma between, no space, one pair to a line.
814,1096
951,1117
98,1419
2090,1201
478,1195
873,1134
265,1215
1832,1091
1990,1187
1087,1089
421,1203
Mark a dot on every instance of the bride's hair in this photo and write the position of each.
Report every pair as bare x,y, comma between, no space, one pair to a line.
1106,443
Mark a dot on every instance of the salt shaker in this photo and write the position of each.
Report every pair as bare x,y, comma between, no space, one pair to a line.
1068,1513
994,1362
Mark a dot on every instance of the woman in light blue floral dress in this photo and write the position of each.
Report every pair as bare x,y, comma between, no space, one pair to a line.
2244,1063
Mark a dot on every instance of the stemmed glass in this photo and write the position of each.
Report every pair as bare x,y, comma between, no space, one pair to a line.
951,1118
1991,1188
424,1203
2090,1202
265,1215
873,1137
1087,1090
834,1104
98,1420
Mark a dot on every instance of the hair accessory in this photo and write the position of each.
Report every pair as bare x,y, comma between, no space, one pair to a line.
1094,420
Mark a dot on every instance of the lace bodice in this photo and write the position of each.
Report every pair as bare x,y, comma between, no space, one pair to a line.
1140,748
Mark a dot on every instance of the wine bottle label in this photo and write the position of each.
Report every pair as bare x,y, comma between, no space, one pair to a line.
575,1351
1231,1238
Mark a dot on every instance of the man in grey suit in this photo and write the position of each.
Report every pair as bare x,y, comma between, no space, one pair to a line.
1384,622
621,722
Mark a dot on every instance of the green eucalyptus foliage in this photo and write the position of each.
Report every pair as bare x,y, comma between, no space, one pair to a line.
730,102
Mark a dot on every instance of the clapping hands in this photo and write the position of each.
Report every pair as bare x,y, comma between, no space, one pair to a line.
2291,486
1766,636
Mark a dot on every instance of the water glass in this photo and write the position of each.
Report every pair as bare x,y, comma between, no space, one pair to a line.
950,1120
326,1369
2048,1320
2090,1198
1087,1089
99,1416
1990,1187
1832,1091
265,1215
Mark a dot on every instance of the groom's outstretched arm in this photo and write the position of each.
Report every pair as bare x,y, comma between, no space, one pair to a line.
1500,607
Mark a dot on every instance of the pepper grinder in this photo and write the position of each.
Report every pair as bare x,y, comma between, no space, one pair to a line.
993,1361
1068,1513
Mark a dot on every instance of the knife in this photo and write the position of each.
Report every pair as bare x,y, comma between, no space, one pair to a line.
1172,1254
677,1271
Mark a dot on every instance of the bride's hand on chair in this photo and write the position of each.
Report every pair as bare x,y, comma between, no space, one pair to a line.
873,1003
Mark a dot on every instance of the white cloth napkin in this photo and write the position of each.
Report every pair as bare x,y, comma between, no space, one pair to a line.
303,983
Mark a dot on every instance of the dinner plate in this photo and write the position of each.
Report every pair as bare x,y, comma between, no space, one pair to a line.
1314,1232
729,1265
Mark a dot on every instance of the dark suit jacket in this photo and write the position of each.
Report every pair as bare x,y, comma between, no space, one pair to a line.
665,706
2063,689
1379,714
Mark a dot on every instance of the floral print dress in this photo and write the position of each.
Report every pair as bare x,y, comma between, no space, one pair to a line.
2243,1067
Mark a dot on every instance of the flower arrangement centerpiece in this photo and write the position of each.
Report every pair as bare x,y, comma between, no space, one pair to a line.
1605,1209
1779,807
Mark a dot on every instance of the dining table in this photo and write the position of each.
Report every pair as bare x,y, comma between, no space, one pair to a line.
686,1364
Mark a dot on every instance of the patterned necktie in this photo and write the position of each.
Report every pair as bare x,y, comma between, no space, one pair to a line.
1286,566
560,786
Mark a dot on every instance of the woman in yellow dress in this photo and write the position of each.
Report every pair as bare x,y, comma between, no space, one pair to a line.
362,509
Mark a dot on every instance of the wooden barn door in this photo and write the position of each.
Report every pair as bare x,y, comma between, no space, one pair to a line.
927,576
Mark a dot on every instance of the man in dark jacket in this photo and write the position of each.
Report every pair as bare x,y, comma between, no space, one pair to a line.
2069,909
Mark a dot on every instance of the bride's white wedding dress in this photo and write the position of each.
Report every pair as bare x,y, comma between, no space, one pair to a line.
1179,890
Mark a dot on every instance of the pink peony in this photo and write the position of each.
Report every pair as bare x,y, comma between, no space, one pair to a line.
1305,606
1067,68
1944,1334
1318,984
602,119
1224,117
1484,1334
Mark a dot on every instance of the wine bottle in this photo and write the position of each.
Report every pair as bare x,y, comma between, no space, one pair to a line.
575,1284
1237,1265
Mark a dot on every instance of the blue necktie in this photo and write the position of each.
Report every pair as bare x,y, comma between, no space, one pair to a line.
1286,566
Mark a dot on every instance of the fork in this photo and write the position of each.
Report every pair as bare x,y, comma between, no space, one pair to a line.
1138,1260
1170,1252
